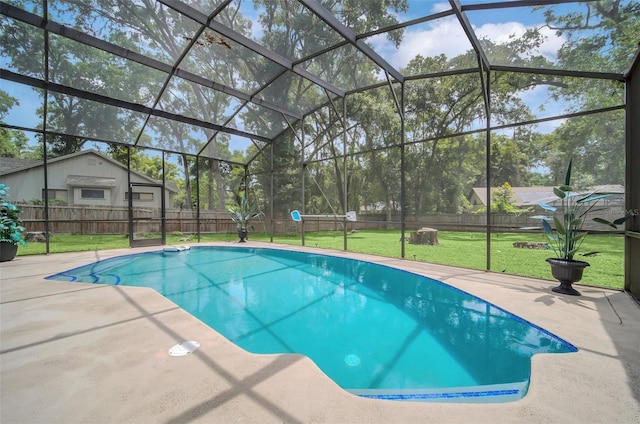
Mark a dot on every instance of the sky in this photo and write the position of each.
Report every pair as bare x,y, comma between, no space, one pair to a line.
445,36
442,36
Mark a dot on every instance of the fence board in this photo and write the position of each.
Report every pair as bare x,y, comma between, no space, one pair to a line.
95,220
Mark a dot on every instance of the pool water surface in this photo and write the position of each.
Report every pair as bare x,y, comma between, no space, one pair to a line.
376,331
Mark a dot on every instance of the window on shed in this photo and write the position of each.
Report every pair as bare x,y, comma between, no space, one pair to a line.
87,193
143,197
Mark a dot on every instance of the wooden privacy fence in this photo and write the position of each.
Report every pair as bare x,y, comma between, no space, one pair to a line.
97,220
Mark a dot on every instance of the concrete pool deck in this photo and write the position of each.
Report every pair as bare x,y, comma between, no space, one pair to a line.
82,353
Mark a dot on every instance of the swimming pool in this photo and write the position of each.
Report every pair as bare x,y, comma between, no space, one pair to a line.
376,331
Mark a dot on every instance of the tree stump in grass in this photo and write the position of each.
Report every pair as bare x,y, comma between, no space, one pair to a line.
425,235
35,237
530,245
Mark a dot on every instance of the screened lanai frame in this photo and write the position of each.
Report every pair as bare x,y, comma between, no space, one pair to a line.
209,29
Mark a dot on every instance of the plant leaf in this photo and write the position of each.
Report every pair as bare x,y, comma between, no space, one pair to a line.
605,222
577,237
559,227
594,197
547,207
559,192
621,220
546,227
567,176
576,222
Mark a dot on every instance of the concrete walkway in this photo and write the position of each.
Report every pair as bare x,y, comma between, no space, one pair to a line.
82,353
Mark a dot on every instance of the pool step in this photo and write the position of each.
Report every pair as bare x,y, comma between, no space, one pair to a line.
493,393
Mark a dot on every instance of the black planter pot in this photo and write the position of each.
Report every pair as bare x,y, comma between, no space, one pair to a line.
567,272
242,235
8,251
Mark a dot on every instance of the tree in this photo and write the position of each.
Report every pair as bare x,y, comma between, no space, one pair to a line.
509,162
12,142
80,66
375,129
594,142
284,158
145,26
437,108
504,201
149,165
296,33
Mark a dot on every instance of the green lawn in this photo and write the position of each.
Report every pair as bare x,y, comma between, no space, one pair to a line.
467,250
463,249
75,243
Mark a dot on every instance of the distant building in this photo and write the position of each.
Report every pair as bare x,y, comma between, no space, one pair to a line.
532,196
373,208
83,178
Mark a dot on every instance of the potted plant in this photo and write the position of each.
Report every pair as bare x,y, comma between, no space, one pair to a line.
242,213
567,234
11,228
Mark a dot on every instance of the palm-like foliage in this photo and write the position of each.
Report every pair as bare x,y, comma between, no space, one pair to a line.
567,236
244,211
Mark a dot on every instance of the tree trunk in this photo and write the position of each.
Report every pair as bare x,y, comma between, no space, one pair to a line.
210,182
187,182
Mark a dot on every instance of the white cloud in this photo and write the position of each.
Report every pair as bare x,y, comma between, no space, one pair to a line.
503,32
552,43
441,7
445,36
417,9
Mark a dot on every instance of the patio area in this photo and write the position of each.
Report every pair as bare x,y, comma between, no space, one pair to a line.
82,353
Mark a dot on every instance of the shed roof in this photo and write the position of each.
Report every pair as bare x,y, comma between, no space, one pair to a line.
7,164
76,180
87,181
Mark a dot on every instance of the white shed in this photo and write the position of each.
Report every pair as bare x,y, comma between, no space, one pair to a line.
82,178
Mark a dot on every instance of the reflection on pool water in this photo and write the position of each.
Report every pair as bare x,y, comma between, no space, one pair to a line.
376,331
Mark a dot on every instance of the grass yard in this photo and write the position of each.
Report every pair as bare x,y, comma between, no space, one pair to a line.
464,249
467,249
60,243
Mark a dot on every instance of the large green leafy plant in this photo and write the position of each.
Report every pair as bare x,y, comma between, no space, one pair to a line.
11,228
567,234
244,211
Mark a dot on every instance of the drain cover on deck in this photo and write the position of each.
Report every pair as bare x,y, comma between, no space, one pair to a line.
184,348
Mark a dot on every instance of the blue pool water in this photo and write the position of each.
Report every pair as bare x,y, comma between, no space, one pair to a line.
376,331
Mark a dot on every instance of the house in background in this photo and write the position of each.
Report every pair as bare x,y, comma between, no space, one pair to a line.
83,178
525,197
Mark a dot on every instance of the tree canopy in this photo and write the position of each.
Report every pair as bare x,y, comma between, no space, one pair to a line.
450,127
